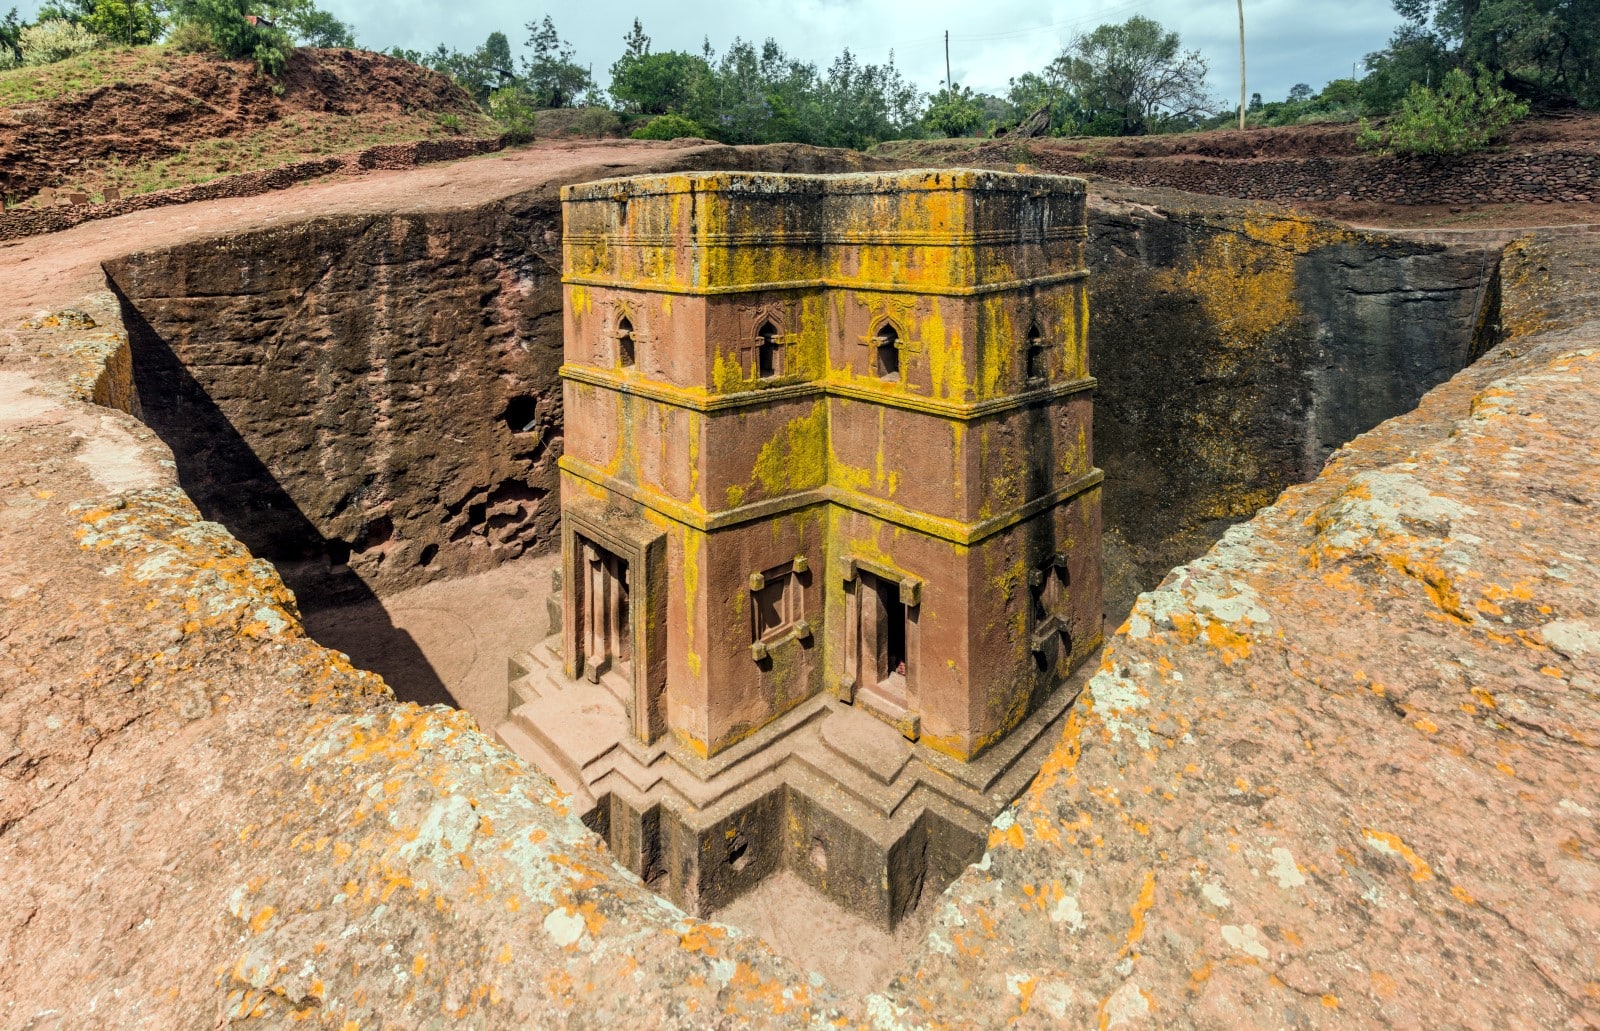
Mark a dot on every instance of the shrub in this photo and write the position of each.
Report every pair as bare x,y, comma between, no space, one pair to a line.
8,59
953,113
55,40
235,35
597,121
1463,115
668,127
513,109
191,37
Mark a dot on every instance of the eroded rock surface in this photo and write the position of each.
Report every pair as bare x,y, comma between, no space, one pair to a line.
1237,347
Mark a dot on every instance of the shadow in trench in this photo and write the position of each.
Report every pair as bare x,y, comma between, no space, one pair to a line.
367,634
230,485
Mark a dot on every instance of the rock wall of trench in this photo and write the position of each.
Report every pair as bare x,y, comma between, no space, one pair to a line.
1237,348
366,399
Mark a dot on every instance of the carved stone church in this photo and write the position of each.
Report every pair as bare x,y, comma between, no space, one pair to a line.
831,523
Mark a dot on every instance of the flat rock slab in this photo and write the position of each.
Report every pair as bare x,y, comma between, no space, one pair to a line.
868,742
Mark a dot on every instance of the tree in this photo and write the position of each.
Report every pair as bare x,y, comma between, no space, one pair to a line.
757,95
863,104
1136,76
1547,50
128,22
1463,115
657,84
10,39
1049,89
1301,92
552,77
1413,57
482,72
637,43
954,112
313,28
268,45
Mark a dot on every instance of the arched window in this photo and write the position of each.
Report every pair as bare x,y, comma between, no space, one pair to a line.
888,353
624,342
769,353
1034,359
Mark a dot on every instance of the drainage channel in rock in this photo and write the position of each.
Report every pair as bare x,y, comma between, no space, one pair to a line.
328,399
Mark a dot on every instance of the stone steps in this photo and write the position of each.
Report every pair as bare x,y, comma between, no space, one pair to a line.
548,761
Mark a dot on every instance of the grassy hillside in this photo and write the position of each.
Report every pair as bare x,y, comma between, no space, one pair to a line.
149,118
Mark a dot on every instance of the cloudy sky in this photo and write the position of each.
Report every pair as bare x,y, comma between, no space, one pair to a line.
1288,41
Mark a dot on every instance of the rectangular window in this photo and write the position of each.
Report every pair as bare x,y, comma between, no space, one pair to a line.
777,602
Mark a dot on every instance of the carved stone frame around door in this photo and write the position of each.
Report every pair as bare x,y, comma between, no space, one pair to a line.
644,548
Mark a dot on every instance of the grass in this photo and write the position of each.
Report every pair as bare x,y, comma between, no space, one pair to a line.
298,136
282,143
81,73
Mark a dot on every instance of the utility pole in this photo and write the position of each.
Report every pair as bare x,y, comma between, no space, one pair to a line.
1241,64
947,86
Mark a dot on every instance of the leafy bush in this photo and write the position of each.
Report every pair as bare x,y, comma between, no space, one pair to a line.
55,40
191,37
597,121
236,35
669,127
954,113
1463,115
133,23
10,32
513,109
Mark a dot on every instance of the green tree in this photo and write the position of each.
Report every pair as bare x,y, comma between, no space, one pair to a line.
861,104
668,127
1413,56
236,35
1463,115
128,22
551,75
10,38
481,72
954,112
511,107
657,84
1546,50
311,27
1049,88
1136,76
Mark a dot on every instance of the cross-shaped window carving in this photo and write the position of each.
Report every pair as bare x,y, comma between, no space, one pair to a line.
1050,604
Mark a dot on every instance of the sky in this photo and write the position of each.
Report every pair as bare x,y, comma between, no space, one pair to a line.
1287,41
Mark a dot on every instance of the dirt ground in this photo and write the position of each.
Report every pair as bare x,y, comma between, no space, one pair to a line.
447,643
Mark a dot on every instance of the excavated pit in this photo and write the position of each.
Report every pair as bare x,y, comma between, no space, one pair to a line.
373,405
